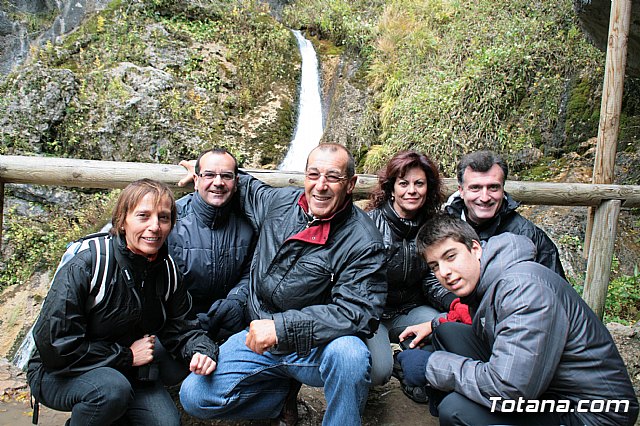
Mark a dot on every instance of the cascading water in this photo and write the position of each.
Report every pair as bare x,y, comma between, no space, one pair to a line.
309,125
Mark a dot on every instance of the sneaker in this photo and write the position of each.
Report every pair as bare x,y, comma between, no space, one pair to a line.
415,393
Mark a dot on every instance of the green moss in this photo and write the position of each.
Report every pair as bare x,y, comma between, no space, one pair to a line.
583,111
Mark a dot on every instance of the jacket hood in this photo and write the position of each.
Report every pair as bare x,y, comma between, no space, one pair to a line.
500,253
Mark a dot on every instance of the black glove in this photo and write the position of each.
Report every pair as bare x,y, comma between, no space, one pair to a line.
414,364
225,318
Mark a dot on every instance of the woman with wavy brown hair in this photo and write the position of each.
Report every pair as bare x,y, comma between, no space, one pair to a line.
409,191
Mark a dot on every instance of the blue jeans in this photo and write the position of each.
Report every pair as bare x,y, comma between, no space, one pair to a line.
103,396
388,331
246,385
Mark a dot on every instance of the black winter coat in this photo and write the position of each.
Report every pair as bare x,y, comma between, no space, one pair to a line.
410,281
509,220
316,286
212,248
72,338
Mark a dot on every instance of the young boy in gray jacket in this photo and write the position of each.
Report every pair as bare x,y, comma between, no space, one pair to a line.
535,352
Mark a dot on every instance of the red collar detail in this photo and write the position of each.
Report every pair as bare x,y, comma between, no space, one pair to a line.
318,231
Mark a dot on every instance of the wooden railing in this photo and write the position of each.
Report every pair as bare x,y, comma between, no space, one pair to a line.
607,199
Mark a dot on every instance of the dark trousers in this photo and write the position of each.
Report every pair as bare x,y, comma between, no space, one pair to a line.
456,409
104,396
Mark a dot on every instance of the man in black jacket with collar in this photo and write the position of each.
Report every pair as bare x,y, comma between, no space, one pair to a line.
482,202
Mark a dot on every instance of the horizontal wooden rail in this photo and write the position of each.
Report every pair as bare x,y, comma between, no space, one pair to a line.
113,174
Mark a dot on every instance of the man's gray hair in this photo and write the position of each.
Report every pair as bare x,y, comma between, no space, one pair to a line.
335,147
480,161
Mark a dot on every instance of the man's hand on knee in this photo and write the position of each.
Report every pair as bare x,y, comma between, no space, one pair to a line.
262,336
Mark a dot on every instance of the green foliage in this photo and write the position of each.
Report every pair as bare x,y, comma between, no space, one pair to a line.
453,76
34,23
224,58
345,23
623,297
35,244
481,74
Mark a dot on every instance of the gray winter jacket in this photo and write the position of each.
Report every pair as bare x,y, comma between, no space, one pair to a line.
317,279
212,247
509,220
546,343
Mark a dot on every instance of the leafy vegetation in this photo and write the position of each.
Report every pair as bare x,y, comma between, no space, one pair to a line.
453,76
443,76
34,243
623,296
159,80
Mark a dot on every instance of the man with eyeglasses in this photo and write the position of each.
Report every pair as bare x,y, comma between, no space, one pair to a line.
212,243
317,287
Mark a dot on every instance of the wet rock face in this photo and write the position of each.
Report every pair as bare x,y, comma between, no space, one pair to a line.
16,39
36,106
594,19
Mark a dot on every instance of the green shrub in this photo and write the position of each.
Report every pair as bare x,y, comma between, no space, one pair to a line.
623,296
34,244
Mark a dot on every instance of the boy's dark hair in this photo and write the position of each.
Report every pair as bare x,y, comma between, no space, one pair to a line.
216,150
442,226
481,161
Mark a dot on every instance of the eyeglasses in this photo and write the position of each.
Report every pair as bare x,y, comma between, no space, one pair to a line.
228,176
331,177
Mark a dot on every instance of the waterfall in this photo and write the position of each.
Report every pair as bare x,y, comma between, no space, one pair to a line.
309,125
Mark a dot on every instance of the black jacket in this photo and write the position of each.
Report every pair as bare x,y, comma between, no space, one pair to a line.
410,281
318,280
212,247
72,338
509,220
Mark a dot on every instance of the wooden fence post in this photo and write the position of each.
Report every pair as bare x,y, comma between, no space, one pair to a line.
605,227
611,104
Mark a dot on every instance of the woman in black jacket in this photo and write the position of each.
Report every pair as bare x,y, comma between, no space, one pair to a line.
95,340
409,192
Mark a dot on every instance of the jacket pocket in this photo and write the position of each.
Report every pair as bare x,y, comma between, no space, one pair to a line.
308,282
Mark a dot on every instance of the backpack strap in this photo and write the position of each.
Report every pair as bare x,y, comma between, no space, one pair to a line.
103,263
171,274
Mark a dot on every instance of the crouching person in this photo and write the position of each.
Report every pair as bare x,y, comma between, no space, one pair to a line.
535,352
96,333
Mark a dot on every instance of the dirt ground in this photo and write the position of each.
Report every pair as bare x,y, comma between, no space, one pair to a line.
387,405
